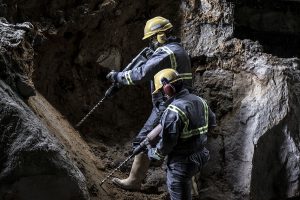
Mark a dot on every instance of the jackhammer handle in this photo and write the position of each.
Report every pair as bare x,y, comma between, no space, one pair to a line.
150,139
153,135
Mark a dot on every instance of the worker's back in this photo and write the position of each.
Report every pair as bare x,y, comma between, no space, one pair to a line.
196,118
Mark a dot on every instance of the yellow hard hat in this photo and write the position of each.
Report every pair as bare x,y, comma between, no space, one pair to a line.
169,74
156,25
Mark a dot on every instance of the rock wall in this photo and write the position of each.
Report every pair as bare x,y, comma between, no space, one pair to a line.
16,59
33,164
255,150
40,159
78,150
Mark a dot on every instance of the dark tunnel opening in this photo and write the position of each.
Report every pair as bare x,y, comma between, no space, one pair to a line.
275,24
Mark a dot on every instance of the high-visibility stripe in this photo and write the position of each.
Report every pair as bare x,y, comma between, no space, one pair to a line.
182,115
172,56
185,76
205,110
128,78
189,133
182,76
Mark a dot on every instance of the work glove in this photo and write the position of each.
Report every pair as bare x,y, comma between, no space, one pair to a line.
153,154
112,76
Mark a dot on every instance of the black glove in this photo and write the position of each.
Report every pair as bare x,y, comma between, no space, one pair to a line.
112,76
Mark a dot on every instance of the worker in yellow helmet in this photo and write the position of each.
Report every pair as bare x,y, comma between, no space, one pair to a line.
185,123
167,53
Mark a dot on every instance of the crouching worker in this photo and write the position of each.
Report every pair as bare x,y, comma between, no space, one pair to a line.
185,123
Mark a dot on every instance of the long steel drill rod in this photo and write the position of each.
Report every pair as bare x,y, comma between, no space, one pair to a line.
83,119
111,173
137,61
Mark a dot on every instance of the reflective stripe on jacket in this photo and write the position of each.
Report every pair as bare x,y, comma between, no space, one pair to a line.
187,133
185,124
171,55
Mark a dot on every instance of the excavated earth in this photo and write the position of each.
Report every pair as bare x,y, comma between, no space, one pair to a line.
54,56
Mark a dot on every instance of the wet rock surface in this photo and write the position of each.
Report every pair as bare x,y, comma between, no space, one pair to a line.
255,95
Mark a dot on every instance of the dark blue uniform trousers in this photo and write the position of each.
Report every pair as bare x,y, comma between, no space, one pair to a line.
180,170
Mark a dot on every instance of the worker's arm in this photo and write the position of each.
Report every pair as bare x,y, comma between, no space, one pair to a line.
144,71
171,126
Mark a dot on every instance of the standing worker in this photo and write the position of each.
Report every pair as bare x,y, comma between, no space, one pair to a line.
184,123
168,53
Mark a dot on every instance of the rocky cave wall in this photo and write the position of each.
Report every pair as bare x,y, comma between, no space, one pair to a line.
39,154
33,164
254,150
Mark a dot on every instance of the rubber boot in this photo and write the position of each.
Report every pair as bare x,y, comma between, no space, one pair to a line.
137,174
